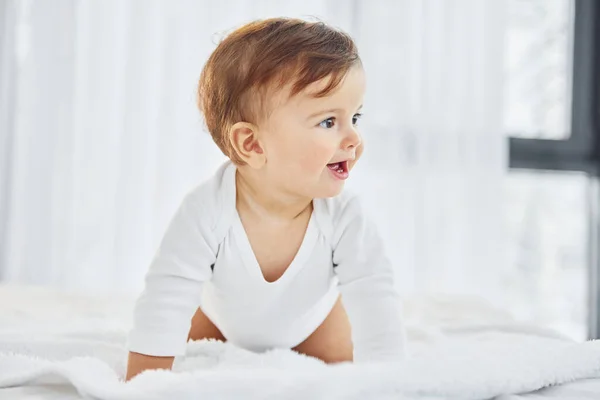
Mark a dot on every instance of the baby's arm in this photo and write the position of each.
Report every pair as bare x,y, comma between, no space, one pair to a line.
164,310
367,287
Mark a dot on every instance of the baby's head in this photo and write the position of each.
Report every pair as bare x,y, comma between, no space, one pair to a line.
281,98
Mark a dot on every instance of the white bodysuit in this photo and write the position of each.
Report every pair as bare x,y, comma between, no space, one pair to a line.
205,259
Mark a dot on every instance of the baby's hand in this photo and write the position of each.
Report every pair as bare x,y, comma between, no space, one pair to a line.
137,363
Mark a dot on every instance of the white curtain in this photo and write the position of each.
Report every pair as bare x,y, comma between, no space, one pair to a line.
436,150
101,136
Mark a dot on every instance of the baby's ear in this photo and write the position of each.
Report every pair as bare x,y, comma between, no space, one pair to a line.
244,141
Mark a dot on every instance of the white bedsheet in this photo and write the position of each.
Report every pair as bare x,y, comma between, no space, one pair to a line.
57,346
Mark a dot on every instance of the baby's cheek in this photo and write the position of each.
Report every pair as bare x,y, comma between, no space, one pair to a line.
315,159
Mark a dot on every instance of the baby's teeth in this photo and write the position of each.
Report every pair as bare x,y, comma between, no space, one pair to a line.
340,170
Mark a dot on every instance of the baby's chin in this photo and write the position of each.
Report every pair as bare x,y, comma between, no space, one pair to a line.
324,186
332,194
331,190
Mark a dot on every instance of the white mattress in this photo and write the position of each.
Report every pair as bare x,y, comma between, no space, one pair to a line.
59,327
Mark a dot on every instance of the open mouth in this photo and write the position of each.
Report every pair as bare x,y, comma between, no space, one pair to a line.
339,169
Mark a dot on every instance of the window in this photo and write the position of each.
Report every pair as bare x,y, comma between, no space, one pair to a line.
548,250
552,120
538,49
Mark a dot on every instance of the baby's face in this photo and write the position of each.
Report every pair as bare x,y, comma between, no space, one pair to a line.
311,143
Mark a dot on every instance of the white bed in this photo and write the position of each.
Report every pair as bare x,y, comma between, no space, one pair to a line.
68,346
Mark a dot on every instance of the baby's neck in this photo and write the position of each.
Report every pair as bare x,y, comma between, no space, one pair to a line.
268,202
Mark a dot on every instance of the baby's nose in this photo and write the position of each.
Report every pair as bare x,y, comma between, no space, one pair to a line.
353,139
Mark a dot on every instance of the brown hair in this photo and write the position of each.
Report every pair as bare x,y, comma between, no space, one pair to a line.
268,54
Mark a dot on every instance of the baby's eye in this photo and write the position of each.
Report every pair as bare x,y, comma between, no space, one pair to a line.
355,118
328,123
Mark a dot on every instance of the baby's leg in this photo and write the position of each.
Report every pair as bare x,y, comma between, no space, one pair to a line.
203,328
332,340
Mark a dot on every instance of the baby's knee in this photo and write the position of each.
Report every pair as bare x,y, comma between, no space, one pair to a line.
338,356
204,328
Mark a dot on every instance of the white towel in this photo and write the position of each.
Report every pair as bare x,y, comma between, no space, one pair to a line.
469,366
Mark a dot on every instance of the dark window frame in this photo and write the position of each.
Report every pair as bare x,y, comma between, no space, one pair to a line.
581,151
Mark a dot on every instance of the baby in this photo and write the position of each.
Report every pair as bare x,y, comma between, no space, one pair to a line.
269,253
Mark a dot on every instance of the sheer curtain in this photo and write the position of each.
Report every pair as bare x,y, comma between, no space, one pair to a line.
436,150
102,137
